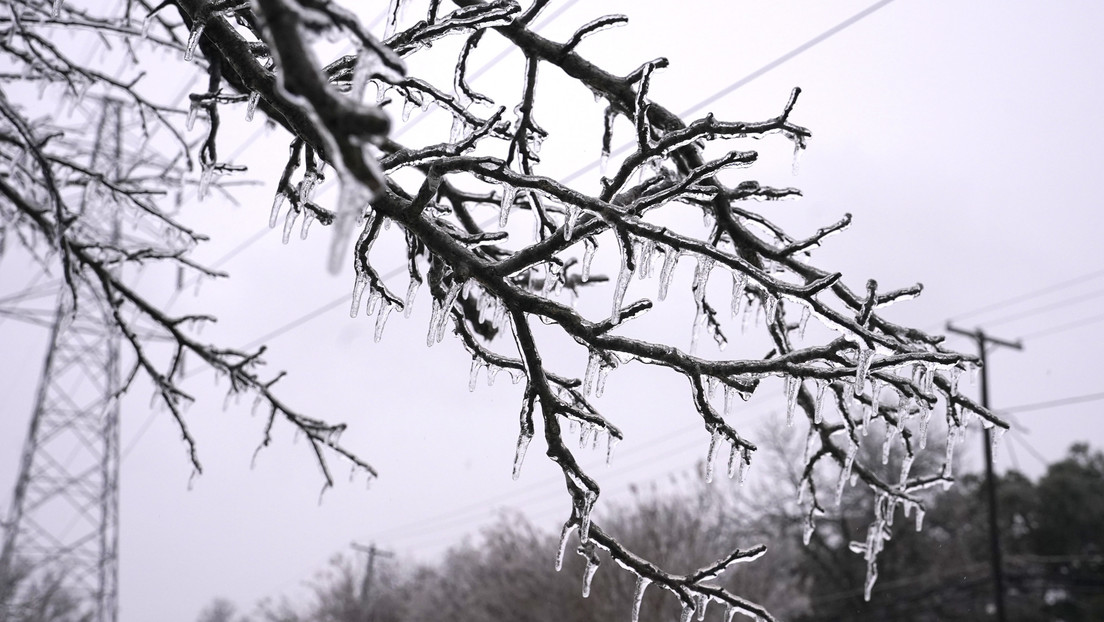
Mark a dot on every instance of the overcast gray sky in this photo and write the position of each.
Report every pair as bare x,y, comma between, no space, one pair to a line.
963,137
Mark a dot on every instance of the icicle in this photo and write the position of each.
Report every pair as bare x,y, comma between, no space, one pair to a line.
358,290
308,218
509,193
205,179
623,279
818,412
593,363
919,518
728,401
381,319
995,435
519,454
146,23
589,246
770,308
805,313
251,105
687,613
289,224
569,222
600,384
193,112
742,467
374,296
644,258
193,39
670,259
446,310
492,372
431,334
703,602
473,375
611,442
277,202
733,452
638,596
906,466
411,291
730,613
564,534
845,472
793,385
714,439
408,107
588,572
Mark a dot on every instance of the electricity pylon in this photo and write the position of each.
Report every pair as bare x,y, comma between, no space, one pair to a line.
61,536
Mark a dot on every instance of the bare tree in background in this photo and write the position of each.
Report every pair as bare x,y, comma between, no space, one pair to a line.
456,202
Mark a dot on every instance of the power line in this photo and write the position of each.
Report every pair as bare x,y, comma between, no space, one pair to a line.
767,68
1029,295
1047,307
1064,327
1065,401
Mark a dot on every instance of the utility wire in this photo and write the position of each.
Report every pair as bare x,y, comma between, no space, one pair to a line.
1065,401
1047,307
1000,304
758,73
1064,327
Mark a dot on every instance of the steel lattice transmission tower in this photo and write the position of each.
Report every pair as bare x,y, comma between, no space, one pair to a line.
61,536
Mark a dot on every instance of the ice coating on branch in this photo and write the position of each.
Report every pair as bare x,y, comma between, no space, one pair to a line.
381,319
251,105
509,193
793,384
714,440
670,259
638,596
569,222
392,18
586,506
519,454
193,39
564,534
862,367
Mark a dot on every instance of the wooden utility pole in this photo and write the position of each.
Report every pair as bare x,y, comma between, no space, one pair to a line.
982,340
366,585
